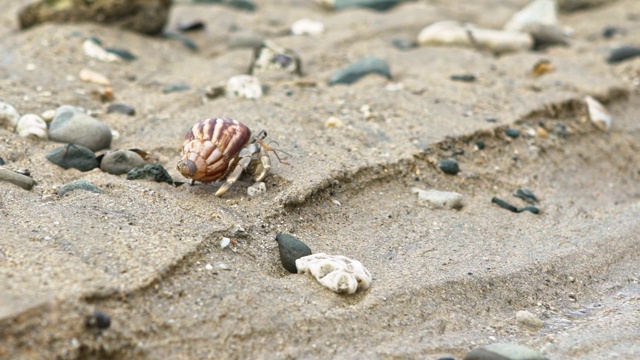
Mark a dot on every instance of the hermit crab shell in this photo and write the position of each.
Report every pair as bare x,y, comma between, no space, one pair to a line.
211,148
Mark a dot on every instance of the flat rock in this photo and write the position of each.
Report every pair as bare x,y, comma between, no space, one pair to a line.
73,156
72,126
81,184
440,199
120,162
504,351
360,68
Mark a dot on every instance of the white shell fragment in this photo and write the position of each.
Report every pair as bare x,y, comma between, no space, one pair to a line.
256,189
89,75
307,27
9,116
225,242
440,199
338,273
538,12
94,50
244,86
598,114
456,33
32,126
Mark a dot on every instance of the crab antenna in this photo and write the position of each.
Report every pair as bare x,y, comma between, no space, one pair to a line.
274,151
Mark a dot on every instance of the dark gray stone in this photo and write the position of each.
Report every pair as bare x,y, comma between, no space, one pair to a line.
175,88
81,184
120,162
360,68
151,172
73,156
72,126
450,167
512,133
291,249
503,351
380,5
121,109
623,53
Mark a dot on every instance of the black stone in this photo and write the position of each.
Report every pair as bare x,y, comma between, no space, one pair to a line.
2,162
491,120
121,53
99,320
380,5
623,53
152,172
610,31
191,26
530,208
188,43
121,108
73,156
526,195
463,77
291,249
503,204
512,133
358,69
450,167
480,145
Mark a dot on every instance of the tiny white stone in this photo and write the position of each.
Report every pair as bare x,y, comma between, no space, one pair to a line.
437,198
256,189
538,12
208,267
335,272
31,67
115,135
89,75
97,52
598,114
307,27
526,318
333,122
244,86
225,242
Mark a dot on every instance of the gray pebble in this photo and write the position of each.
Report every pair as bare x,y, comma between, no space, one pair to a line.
120,162
504,351
25,182
151,172
291,249
122,109
440,199
73,156
188,43
175,88
463,77
512,133
623,53
526,195
353,72
81,184
450,167
72,126
124,54
379,5
2,162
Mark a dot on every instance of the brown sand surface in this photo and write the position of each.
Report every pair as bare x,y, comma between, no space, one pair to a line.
445,281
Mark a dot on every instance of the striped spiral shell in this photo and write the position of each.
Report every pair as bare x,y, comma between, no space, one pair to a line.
211,147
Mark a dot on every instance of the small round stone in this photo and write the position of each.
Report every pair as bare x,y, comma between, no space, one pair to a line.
99,320
120,162
73,156
72,126
291,249
450,167
512,133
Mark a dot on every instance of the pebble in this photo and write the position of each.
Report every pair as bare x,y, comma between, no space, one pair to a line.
291,249
244,86
542,67
504,351
335,272
464,78
93,48
81,184
25,182
333,122
32,126
610,31
170,88
450,167
479,145
89,75
225,242
572,5
526,195
120,162
73,156
123,54
192,25
531,209
121,109
271,59
72,126
185,41
456,33
48,115
440,199
403,44
536,12
528,319
512,133
307,27
151,172
9,116
503,204
246,5
623,53
380,5
360,68
2,162
242,41
99,320
256,189
598,114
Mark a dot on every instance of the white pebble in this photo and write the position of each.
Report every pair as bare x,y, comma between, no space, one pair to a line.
223,266
89,75
538,12
32,126
335,272
307,27
93,50
526,318
9,116
440,199
225,242
256,189
333,122
208,267
244,86
598,114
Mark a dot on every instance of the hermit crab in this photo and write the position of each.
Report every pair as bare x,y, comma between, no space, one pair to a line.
223,148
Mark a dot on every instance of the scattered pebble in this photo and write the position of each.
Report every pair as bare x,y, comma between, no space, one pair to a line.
170,88
504,351
256,189
479,145
73,156
573,5
380,5
120,162
99,320
461,34
623,53
360,68
532,209
503,204
89,75
24,181
537,12
337,273
225,242
243,41
527,319
32,126
81,184
611,31
121,109
463,78
244,86
512,133
598,114
2,162
403,44
450,167
72,126
271,59
151,172
246,5
93,48
333,122
440,199
491,120
526,195
48,115
291,249
307,27
542,67
123,54
9,116
188,43
193,25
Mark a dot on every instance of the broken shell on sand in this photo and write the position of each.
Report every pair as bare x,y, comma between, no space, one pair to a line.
598,114
338,273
